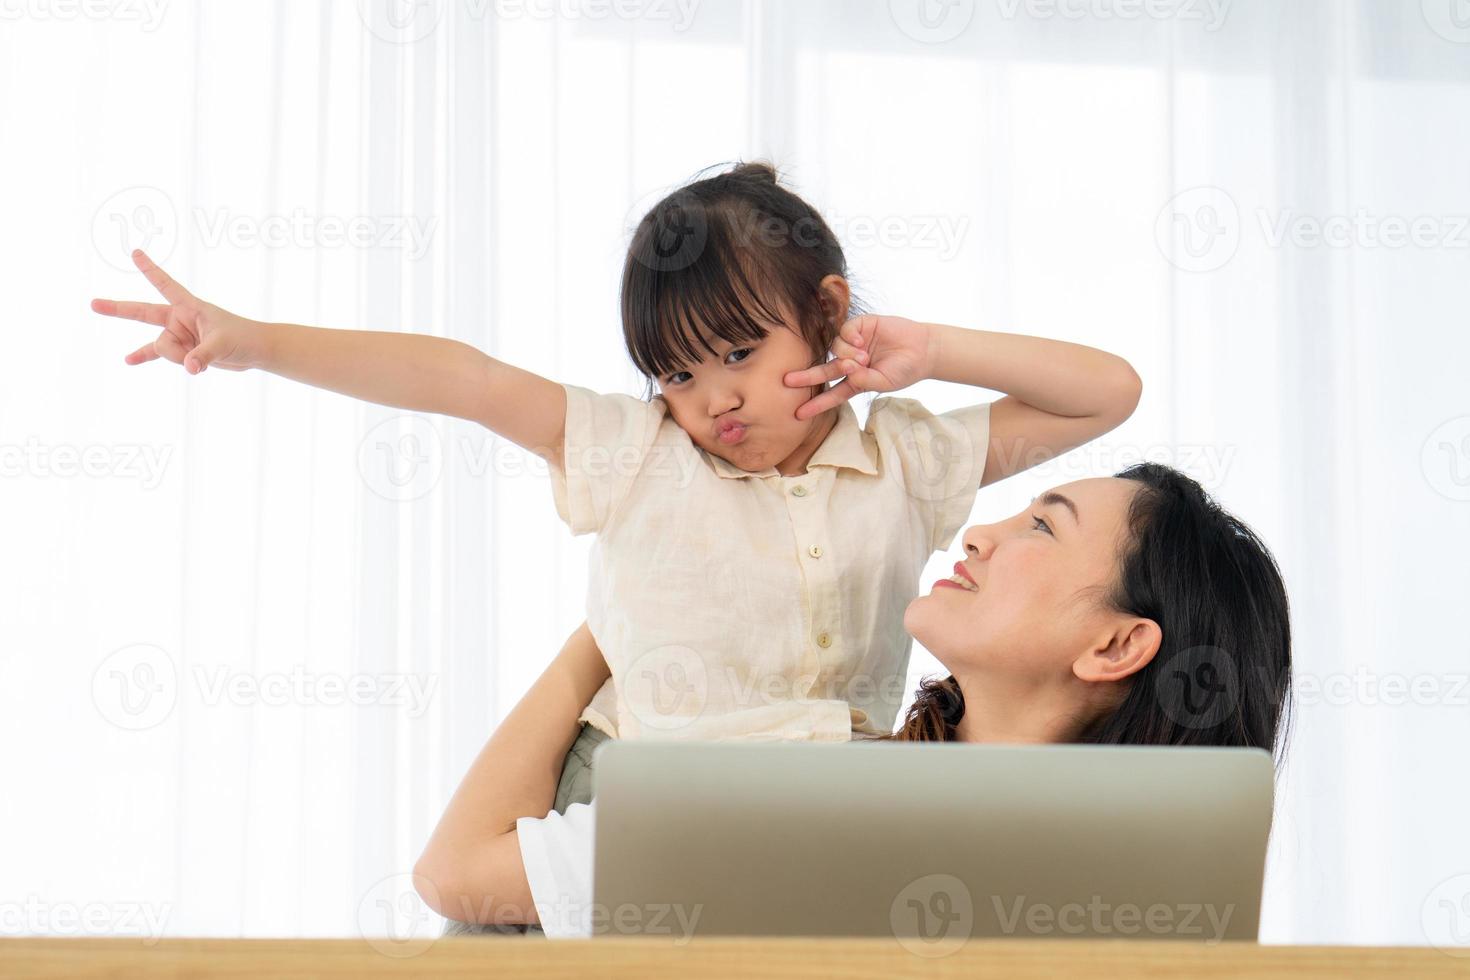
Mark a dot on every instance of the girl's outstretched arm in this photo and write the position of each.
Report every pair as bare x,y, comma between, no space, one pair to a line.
1058,395
408,371
471,869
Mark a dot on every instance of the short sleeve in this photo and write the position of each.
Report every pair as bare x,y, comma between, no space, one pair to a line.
557,852
940,458
607,439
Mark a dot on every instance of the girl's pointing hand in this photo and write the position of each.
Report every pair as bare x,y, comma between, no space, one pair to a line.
195,334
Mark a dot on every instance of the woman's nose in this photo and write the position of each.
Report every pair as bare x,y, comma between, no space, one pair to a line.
979,540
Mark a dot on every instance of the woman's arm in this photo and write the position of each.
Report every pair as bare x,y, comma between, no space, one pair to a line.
471,869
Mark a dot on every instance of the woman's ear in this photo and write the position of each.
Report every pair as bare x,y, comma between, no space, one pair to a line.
1125,650
836,297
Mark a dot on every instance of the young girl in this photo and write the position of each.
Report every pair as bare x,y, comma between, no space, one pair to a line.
756,548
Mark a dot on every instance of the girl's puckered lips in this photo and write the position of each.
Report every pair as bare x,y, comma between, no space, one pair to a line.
731,430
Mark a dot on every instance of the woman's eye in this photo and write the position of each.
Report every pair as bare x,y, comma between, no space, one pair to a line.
1038,524
674,378
742,350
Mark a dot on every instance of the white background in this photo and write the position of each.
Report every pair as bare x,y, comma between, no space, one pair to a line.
1262,205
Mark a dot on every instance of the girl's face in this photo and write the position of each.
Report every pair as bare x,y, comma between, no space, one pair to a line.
1038,617
742,392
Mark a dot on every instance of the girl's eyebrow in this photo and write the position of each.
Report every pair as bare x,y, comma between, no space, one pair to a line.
1051,497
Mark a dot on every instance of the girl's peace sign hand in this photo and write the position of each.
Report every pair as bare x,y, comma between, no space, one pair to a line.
195,334
873,353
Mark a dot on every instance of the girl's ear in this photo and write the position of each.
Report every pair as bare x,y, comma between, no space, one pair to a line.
836,296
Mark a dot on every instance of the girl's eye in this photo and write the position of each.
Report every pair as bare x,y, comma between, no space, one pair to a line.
742,350
1038,524
674,378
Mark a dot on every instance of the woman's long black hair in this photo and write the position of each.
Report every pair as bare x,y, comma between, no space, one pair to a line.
1222,674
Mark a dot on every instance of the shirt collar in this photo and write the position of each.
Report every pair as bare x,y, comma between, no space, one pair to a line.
846,445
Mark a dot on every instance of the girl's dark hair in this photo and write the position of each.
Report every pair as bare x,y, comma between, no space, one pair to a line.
1222,674
724,254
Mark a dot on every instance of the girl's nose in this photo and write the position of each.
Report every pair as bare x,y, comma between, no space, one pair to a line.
723,401
979,540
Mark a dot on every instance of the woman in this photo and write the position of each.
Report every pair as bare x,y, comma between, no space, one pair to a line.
1125,610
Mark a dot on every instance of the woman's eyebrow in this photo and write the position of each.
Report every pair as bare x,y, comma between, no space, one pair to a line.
1052,497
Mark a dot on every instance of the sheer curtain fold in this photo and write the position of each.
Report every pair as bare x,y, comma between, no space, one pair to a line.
328,605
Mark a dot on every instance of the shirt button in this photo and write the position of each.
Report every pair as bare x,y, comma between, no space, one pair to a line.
823,640
815,551
798,491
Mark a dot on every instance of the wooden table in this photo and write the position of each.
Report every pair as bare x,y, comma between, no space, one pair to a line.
765,959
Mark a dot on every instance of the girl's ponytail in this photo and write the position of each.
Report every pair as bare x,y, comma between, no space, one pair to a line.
755,171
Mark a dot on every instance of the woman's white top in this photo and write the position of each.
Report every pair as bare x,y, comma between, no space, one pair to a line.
557,852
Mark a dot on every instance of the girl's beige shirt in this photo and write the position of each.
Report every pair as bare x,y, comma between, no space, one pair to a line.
751,605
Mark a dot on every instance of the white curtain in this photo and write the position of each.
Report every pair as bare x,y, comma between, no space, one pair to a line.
253,633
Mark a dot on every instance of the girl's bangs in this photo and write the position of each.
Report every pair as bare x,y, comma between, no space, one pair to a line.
673,312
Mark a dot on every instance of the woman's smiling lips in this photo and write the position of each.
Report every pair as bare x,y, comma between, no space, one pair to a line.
961,579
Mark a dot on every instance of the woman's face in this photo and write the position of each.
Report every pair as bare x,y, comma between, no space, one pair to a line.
1038,615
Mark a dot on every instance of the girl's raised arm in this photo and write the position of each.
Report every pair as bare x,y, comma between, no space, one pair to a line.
408,371
1058,395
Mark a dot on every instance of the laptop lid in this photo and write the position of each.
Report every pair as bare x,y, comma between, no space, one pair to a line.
930,843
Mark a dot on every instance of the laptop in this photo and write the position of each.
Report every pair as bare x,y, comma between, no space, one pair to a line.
931,844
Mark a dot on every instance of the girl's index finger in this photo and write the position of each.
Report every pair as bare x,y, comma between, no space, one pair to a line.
161,280
805,378
830,398
142,312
